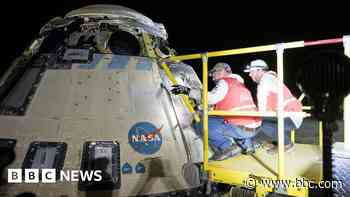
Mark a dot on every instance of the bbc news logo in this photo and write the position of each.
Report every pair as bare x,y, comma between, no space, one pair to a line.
49,175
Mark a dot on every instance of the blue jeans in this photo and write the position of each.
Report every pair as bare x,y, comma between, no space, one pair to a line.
221,133
269,127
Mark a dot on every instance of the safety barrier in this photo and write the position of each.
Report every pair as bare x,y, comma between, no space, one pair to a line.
280,114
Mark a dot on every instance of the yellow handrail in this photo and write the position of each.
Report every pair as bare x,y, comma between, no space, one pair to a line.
306,107
251,113
263,48
184,97
280,112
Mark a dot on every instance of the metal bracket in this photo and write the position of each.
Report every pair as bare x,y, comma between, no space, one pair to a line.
280,48
204,57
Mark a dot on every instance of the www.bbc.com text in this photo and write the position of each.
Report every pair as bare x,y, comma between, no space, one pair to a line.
298,182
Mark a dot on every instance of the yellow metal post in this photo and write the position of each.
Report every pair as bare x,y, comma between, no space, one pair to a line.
205,110
320,134
320,142
184,98
280,111
292,136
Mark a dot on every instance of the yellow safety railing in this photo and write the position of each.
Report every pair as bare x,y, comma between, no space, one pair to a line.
279,48
238,51
184,97
280,112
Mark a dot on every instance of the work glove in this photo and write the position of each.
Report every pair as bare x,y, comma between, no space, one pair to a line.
180,89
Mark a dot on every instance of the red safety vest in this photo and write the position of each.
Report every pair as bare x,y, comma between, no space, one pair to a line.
290,103
238,98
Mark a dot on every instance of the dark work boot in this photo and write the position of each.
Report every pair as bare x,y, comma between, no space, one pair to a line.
287,148
227,153
246,150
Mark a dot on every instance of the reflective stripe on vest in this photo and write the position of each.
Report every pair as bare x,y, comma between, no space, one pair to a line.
238,98
241,108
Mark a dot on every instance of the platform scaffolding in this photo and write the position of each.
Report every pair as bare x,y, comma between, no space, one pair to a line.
254,171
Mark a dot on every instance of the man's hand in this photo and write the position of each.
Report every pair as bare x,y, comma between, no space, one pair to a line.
180,89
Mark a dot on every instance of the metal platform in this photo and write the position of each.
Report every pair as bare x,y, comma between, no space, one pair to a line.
305,161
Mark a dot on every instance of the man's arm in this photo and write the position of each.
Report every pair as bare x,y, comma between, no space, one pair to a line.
217,94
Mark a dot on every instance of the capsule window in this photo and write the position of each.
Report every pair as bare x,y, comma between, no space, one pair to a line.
124,43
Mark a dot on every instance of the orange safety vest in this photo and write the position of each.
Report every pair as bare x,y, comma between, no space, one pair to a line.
238,98
290,103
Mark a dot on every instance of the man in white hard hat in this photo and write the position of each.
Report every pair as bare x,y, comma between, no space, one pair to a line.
229,93
267,101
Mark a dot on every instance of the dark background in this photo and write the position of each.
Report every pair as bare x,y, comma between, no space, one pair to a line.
198,26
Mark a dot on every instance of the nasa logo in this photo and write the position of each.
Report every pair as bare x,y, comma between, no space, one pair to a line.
145,138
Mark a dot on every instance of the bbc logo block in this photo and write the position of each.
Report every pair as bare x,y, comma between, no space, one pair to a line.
14,175
31,176
48,175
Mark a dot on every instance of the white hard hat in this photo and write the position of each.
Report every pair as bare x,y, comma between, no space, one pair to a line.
256,65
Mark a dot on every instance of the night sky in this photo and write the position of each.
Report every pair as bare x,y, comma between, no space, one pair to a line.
196,27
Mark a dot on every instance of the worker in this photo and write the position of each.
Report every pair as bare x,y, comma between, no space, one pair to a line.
267,101
229,94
